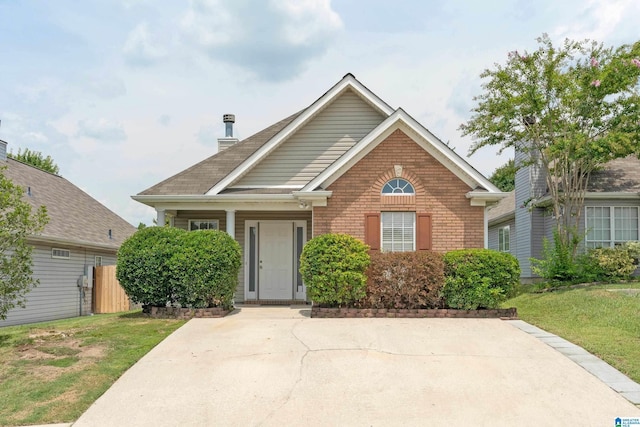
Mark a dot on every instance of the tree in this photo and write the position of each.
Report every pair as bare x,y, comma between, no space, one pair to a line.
504,177
37,159
569,110
17,221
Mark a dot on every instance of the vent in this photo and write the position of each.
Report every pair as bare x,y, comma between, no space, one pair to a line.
60,253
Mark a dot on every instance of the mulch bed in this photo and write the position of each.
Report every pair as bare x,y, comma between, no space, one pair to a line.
502,313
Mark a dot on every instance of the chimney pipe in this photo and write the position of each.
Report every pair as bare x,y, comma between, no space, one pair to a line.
229,120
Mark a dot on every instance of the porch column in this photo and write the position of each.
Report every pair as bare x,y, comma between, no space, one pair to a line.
160,217
231,223
486,227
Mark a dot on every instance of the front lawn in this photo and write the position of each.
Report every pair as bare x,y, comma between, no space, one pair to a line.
52,372
605,323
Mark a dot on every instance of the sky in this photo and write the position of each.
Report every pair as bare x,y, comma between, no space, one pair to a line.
126,93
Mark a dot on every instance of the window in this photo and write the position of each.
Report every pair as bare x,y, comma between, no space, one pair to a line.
60,253
398,230
398,186
610,226
98,261
504,239
203,224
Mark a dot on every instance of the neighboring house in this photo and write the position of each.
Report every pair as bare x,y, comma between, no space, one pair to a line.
348,163
610,216
81,234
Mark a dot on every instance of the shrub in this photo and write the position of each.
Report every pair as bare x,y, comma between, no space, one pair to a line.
141,268
479,278
557,265
613,263
204,269
404,280
333,268
160,265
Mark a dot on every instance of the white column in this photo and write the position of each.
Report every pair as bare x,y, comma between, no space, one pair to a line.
160,218
486,227
231,223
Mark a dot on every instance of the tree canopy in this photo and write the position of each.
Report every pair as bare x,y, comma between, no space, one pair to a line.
17,222
37,159
569,109
504,177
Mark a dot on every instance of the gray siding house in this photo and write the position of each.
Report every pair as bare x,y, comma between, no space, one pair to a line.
611,213
81,234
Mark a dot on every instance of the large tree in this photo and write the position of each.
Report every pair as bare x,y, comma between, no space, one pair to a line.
569,109
37,159
504,177
17,222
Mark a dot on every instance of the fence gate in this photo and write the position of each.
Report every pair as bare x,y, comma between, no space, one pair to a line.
108,295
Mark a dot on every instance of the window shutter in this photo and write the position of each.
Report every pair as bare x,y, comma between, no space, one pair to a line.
423,232
372,230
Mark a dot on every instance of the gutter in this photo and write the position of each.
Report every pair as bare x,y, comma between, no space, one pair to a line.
69,242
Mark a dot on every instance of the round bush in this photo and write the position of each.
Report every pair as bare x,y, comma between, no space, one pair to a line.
479,278
333,268
205,269
141,268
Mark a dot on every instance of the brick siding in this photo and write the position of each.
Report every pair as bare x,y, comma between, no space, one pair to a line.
456,224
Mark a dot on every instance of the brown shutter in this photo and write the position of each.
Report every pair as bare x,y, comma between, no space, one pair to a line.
372,230
423,232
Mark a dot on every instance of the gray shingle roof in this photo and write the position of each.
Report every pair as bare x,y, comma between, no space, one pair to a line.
73,214
201,177
503,207
619,175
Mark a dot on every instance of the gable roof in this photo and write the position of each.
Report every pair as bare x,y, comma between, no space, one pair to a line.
215,176
504,209
618,175
75,218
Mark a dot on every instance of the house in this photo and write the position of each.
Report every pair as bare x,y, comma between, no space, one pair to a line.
81,234
610,217
348,163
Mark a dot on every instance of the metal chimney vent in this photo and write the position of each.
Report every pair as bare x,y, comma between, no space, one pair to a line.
229,120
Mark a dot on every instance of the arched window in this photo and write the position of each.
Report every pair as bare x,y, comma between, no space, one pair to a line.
398,186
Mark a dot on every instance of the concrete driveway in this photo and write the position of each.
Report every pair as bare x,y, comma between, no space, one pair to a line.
277,367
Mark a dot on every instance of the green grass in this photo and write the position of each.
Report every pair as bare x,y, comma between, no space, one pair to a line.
52,372
604,323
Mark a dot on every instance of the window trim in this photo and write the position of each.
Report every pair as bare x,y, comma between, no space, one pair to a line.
612,242
412,193
67,251
414,230
216,221
97,261
504,244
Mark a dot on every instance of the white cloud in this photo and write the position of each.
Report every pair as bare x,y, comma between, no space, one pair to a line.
598,19
272,40
101,129
164,120
142,48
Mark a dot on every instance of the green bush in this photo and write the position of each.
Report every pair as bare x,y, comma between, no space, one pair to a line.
164,265
204,269
479,278
557,265
404,280
333,268
613,263
141,268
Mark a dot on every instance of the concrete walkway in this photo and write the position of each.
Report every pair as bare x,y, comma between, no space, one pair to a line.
277,367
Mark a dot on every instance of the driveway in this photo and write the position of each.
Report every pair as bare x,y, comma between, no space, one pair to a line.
277,367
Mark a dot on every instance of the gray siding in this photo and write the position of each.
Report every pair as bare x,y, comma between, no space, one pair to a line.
494,235
317,144
58,295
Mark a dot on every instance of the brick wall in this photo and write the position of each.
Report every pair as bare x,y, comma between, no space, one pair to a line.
456,224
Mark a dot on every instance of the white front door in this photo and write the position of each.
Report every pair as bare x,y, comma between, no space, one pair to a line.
275,264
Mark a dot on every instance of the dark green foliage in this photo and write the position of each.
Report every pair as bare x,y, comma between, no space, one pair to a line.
160,265
17,222
205,269
479,278
143,261
558,265
404,280
333,268
35,158
504,177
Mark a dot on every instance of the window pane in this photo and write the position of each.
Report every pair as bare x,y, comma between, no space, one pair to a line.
398,231
398,186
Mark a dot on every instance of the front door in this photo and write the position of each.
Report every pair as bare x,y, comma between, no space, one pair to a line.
275,260
272,260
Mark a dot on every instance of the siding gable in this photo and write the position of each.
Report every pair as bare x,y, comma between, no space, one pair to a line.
316,145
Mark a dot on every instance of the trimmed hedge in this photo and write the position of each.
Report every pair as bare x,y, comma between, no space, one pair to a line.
165,265
479,278
404,280
612,263
333,268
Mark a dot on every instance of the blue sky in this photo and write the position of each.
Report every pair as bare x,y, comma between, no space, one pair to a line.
125,93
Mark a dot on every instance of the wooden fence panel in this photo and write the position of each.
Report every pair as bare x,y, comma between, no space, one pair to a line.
109,297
